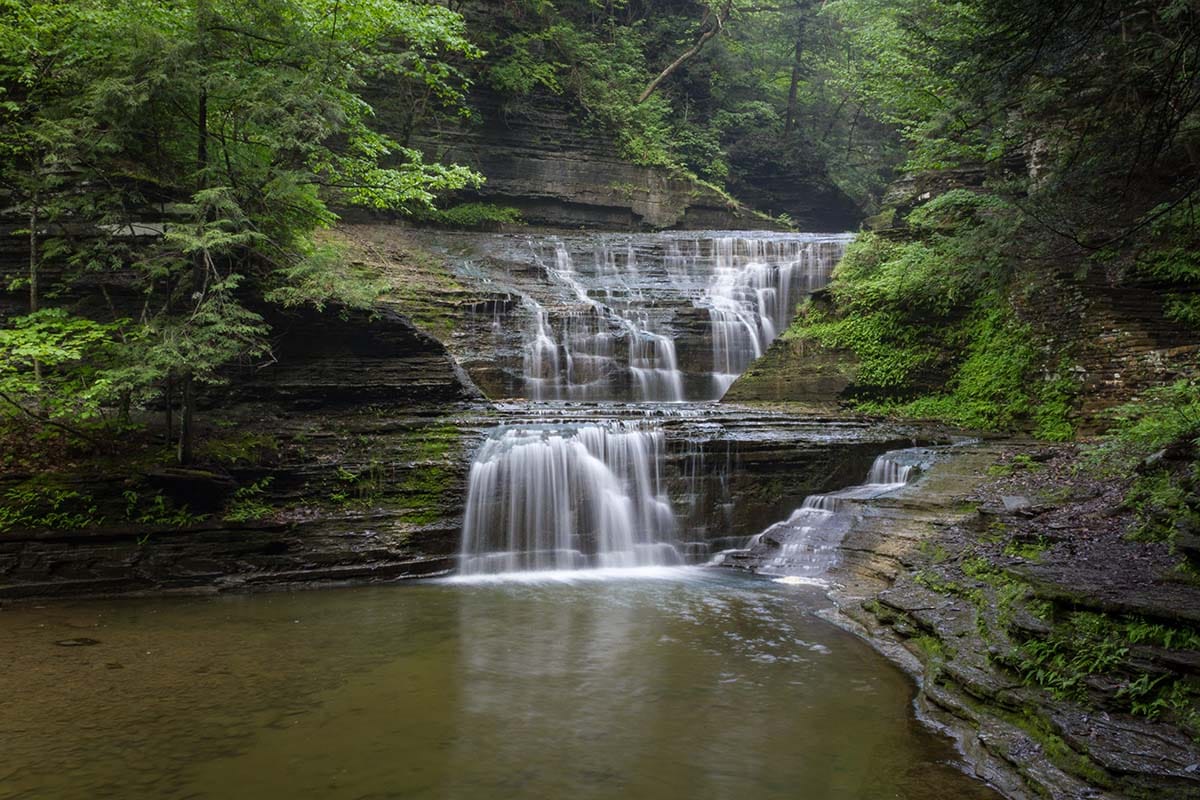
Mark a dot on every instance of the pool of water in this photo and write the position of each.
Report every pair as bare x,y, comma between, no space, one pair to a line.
665,683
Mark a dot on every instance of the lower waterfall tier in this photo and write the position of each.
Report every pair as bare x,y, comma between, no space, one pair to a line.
805,545
556,497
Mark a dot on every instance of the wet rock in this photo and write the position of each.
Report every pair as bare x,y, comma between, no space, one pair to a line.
1028,742
1013,504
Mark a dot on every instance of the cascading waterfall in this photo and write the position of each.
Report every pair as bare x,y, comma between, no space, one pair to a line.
805,544
887,472
558,498
667,317
612,330
753,292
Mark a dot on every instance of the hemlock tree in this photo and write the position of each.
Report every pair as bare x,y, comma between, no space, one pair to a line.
195,147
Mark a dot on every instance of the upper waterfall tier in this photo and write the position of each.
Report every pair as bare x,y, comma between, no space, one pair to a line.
633,317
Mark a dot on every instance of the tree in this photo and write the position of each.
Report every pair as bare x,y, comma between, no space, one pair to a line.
202,143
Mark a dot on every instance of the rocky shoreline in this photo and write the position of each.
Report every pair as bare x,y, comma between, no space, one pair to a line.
976,579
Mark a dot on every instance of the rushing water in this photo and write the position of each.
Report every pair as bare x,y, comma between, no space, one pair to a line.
692,684
622,302
570,657
805,545
559,497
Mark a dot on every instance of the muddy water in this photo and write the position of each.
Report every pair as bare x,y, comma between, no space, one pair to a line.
668,683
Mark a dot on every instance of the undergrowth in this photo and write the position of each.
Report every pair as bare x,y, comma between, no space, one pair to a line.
932,328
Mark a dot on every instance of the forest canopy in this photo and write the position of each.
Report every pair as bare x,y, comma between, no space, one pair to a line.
187,152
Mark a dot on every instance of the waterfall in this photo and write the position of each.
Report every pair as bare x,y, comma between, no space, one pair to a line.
614,317
886,472
558,497
616,309
805,545
752,295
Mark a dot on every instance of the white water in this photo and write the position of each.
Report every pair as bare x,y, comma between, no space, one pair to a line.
567,498
623,304
570,576
609,322
752,294
806,543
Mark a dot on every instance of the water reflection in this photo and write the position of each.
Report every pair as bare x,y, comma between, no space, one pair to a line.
678,684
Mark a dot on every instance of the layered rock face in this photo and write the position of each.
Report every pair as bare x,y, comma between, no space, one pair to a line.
377,493
545,159
1001,597
621,317
1112,341
334,463
347,457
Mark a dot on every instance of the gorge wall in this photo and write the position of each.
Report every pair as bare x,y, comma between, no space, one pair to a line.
346,457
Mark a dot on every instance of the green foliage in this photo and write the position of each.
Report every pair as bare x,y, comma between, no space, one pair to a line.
1085,644
933,648
933,330
1162,416
1164,503
890,353
1030,551
474,215
525,62
1053,408
1088,644
245,449
197,149
1155,696
1139,631
44,504
249,504
322,275
156,509
1173,260
62,364
757,94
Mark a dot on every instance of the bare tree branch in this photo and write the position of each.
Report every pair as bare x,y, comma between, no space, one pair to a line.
707,32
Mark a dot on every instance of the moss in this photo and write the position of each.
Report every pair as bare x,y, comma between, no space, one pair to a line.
1058,751
936,334
932,647
241,449
475,216
1030,551
250,503
936,583
1165,503
935,552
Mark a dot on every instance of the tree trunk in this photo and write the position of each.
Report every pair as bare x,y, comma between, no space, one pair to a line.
199,266
169,411
126,400
789,123
34,296
188,405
